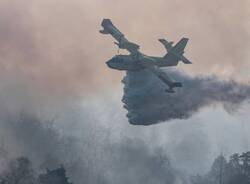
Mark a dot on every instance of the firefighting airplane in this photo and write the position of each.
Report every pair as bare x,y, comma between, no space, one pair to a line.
139,61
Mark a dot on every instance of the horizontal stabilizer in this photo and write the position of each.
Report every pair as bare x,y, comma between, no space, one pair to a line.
185,60
180,46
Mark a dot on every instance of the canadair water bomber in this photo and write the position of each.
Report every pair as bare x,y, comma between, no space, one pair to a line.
136,60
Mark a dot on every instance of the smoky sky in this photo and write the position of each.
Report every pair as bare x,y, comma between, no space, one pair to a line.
52,58
55,50
148,103
88,159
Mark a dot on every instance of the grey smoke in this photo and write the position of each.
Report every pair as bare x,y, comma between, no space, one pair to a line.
92,158
148,103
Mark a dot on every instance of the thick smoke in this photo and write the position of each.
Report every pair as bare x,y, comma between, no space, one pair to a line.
52,53
148,103
93,159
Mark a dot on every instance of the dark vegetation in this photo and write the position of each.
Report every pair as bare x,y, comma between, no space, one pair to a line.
234,171
129,161
20,171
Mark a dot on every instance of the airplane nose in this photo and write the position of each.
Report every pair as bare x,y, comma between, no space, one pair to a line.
111,63
108,63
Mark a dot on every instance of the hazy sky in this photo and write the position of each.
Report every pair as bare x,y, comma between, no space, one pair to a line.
57,45
52,56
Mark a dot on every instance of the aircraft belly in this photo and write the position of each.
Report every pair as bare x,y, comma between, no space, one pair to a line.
124,62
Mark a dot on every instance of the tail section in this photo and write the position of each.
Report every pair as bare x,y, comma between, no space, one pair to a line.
168,45
175,53
180,46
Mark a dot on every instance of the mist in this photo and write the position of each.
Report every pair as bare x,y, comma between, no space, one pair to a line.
92,157
60,104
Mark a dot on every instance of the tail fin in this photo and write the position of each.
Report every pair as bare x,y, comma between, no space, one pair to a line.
180,46
168,45
175,54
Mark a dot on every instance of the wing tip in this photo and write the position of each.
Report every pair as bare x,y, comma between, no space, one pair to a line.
106,21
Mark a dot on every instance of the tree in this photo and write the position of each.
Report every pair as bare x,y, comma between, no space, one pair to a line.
19,171
235,171
56,176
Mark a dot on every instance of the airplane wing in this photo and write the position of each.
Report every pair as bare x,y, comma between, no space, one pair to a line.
122,42
164,78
